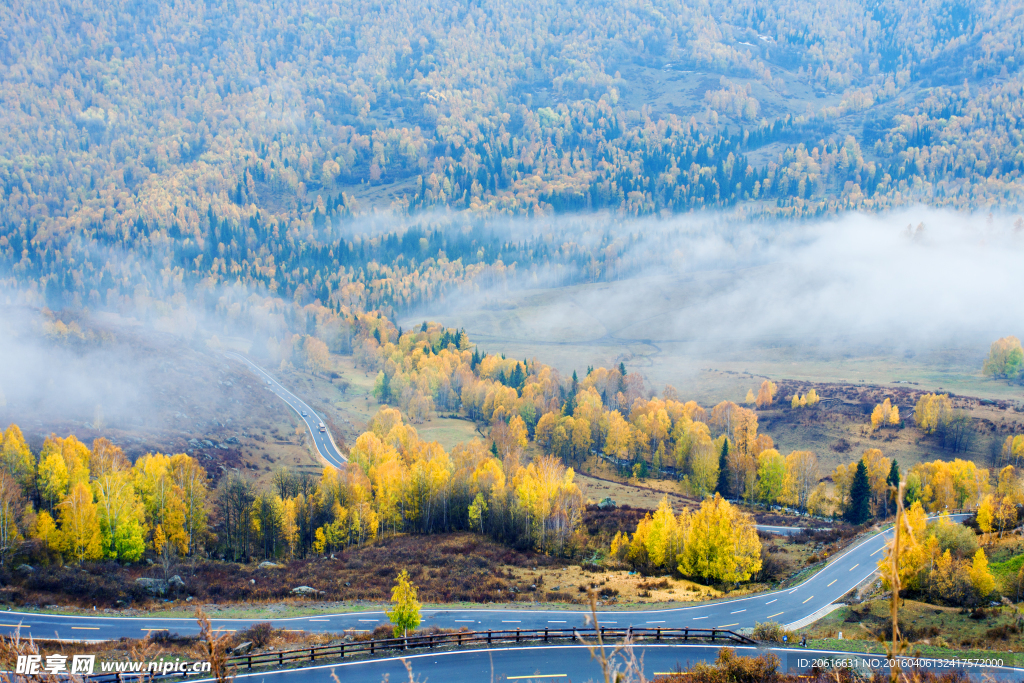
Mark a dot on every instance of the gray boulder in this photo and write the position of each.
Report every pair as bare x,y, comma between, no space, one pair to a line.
243,648
24,569
153,586
305,590
269,565
176,582
606,504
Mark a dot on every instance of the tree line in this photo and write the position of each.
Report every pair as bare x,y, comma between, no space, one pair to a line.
75,503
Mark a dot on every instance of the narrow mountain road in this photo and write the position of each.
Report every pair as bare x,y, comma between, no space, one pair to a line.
323,440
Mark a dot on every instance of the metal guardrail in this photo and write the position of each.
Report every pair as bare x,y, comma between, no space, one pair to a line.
458,638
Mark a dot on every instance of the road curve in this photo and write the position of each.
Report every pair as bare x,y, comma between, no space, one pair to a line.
569,663
790,606
323,441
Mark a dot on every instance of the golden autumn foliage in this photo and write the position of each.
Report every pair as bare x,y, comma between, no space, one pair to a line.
885,414
935,560
407,484
766,394
715,543
931,410
99,505
1005,358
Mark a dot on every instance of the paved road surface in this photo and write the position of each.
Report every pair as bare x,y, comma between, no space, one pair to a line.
554,664
838,577
322,440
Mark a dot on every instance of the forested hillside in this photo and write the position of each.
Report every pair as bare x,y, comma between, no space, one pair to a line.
231,142
137,110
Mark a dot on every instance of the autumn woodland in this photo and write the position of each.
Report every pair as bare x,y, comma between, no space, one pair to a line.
322,186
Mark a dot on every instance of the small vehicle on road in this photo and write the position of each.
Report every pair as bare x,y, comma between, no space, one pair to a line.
304,414
323,429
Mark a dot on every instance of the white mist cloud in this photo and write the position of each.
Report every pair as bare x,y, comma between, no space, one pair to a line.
855,280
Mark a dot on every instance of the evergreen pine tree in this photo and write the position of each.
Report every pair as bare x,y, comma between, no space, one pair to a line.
622,369
494,448
517,379
859,510
892,480
894,475
723,471
570,401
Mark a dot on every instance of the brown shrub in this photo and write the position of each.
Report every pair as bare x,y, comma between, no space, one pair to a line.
259,634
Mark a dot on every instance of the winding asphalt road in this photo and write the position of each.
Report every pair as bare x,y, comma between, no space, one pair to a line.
790,606
323,441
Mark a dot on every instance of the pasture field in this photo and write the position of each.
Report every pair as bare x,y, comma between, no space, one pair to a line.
661,329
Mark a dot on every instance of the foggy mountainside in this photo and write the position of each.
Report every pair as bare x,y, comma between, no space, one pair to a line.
152,149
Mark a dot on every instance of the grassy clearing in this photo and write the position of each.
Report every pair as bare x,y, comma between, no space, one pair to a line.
637,322
348,402
448,432
934,630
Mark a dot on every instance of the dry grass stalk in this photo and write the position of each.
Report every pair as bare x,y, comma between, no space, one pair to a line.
15,646
621,665
213,648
